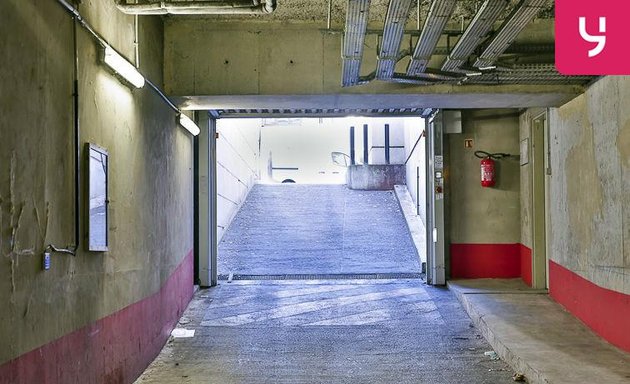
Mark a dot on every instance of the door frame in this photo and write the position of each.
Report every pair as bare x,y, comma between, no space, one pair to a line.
540,263
434,162
207,201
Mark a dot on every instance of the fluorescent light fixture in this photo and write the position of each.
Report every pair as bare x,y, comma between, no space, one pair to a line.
488,68
190,125
121,66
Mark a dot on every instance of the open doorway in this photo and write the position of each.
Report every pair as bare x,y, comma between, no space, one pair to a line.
284,207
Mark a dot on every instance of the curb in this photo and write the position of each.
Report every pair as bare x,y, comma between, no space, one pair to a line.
519,365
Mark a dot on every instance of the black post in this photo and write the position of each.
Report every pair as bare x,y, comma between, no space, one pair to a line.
386,143
352,154
365,144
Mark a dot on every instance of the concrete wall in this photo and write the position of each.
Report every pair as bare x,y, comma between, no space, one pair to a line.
590,146
375,177
415,169
222,57
238,154
589,242
484,223
71,317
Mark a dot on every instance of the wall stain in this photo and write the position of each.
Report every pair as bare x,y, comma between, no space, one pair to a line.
585,204
623,143
43,233
16,209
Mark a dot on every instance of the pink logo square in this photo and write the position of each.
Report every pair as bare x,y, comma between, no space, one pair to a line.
592,37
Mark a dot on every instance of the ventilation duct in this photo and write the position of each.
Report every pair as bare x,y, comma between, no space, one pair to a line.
475,34
397,14
522,15
438,16
221,7
354,36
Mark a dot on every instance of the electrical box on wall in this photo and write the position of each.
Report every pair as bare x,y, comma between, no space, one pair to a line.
452,120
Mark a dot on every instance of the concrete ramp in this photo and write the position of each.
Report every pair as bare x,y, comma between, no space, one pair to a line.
317,229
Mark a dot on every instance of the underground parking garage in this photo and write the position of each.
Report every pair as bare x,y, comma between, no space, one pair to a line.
109,207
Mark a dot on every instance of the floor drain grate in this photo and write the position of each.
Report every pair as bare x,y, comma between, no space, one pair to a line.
327,276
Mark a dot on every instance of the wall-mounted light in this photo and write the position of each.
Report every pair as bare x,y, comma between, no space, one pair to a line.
121,66
190,125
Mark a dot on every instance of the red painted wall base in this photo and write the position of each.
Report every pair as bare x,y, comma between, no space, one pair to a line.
115,349
526,264
474,261
605,311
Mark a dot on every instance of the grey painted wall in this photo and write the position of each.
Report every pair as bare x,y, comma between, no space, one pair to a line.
150,176
589,199
477,214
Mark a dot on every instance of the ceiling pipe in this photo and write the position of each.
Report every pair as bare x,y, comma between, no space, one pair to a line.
397,14
439,14
520,18
475,34
223,7
353,39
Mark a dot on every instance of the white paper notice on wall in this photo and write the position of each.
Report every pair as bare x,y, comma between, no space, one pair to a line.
438,162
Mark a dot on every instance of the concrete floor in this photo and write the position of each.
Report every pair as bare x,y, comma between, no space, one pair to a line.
537,336
324,331
317,229
357,331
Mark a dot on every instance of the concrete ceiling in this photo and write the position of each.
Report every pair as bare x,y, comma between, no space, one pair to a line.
290,11
529,60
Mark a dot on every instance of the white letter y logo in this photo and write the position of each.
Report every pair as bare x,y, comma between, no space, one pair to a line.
599,39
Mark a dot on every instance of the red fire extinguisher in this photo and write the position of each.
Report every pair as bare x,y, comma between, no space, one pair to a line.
487,172
488,177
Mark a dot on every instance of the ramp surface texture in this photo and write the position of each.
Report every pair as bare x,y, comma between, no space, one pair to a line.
317,229
328,291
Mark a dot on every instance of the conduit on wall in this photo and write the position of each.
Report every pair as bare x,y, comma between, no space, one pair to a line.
73,248
78,19
197,7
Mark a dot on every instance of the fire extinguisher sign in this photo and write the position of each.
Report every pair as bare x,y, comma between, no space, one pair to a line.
438,162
